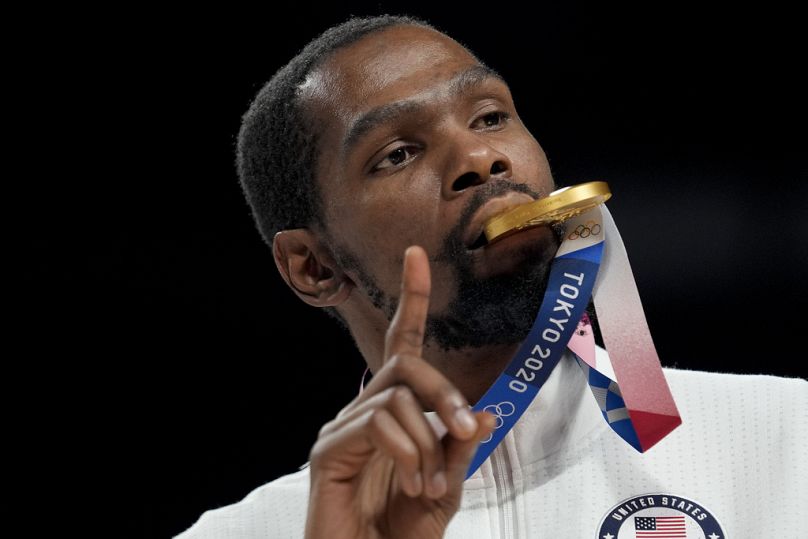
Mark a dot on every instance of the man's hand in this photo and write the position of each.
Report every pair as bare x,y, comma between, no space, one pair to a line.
378,469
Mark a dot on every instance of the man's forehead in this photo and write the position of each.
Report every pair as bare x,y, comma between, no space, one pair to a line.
380,78
382,67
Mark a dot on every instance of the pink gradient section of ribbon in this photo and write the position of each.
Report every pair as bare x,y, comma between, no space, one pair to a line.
628,342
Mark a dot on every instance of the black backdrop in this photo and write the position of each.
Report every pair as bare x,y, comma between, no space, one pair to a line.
178,373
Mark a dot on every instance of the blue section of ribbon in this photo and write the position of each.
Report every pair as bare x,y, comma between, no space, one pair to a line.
625,429
569,288
593,253
612,402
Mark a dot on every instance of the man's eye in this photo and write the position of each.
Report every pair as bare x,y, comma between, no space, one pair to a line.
492,119
395,158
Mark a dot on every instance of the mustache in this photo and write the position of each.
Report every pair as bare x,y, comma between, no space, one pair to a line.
453,243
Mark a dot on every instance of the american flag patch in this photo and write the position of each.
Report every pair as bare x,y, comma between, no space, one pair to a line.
659,516
660,527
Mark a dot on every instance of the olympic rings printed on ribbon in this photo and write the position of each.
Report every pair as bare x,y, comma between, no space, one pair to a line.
591,228
503,409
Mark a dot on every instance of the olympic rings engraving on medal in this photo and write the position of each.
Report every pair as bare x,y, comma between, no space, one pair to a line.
503,409
591,228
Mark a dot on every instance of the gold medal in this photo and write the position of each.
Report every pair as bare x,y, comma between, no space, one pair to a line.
556,207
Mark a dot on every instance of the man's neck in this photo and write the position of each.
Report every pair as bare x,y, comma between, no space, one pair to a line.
471,370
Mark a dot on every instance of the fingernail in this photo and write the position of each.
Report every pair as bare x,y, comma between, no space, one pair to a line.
465,420
438,485
456,401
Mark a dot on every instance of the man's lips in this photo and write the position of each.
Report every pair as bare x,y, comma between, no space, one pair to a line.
473,238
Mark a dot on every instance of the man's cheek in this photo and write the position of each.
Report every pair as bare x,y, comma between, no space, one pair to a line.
406,225
444,288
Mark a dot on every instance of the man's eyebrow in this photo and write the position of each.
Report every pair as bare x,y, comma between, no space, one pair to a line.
462,83
472,78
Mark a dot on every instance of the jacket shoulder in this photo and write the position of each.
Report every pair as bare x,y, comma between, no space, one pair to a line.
699,381
275,509
761,410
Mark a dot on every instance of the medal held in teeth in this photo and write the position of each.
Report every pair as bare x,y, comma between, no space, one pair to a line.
558,206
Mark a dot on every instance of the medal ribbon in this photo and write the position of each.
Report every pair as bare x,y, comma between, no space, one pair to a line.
636,369
570,284
640,408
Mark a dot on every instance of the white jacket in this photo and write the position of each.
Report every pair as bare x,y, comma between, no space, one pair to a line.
738,456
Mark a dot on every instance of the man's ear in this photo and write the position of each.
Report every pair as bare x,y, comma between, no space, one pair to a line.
309,269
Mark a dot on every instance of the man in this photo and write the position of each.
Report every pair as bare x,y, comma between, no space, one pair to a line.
371,162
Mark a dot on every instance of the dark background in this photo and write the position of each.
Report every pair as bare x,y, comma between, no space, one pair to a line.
175,371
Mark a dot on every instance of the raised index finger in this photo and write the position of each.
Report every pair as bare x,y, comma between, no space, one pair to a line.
405,336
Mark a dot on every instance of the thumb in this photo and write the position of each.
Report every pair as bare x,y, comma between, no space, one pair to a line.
460,452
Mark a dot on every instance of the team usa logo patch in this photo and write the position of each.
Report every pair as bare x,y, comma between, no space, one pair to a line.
659,516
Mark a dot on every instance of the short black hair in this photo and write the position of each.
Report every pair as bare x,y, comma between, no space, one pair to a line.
277,145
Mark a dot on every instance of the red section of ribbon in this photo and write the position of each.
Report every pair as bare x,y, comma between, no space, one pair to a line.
628,341
651,427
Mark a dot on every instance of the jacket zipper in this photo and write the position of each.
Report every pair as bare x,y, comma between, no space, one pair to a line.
505,493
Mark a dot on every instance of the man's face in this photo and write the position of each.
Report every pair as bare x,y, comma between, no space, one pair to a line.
419,145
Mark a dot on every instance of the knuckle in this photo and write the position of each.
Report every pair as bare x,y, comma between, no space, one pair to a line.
429,445
401,395
326,429
376,420
401,365
316,454
347,408
412,336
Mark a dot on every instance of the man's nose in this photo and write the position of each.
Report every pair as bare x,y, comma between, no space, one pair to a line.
474,161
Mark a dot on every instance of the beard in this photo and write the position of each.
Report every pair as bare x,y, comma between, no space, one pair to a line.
495,310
